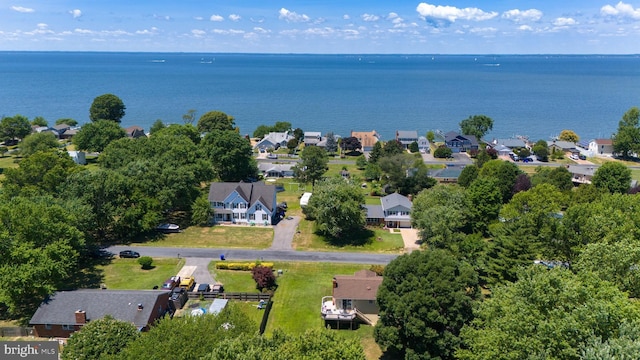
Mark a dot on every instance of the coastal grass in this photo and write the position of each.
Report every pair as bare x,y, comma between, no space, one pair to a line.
219,236
372,239
127,274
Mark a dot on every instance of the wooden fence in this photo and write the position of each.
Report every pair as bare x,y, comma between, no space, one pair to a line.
15,331
242,296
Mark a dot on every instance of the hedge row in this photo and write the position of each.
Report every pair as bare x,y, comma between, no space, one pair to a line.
241,266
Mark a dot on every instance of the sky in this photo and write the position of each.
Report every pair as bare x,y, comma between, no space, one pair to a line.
324,27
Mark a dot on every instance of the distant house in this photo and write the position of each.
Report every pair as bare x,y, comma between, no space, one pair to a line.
135,132
45,129
562,146
353,297
448,175
509,143
601,147
274,140
312,138
367,139
503,150
78,157
581,174
423,144
65,312
394,211
271,170
406,137
248,203
460,143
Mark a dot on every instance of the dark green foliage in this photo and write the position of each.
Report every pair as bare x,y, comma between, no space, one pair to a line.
392,147
468,174
190,117
313,165
361,162
482,158
201,211
231,155
157,126
292,145
264,277
39,121
376,153
97,135
372,172
485,199
175,130
476,125
426,297
107,107
16,127
627,140
405,174
41,173
332,145
336,205
613,177
504,173
146,262
441,215
298,134
70,122
559,177
507,255
99,338
413,147
38,142
522,152
442,152
280,126
215,120
625,346
541,150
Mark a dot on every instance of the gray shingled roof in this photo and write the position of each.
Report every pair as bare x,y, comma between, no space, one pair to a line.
407,134
60,308
374,211
394,200
510,143
251,192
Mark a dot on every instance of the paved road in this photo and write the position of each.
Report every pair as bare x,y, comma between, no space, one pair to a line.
267,255
283,233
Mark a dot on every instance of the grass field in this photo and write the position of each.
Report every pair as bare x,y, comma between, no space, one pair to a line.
373,240
126,274
254,237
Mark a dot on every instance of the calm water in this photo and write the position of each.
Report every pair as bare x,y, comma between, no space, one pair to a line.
529,95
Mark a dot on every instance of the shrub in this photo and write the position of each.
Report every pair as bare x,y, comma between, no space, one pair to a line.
222,265
264,277
145,262
378,269
442,152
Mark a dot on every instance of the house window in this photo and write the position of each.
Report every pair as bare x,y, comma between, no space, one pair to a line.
235,215
243,215
258,207
346,304
235,206
252,216
68,327
265,217
243,206
47,326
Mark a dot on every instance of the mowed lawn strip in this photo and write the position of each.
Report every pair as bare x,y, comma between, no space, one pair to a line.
377,241
218,236
127,274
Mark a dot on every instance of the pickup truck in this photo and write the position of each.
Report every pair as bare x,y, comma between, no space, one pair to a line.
187,283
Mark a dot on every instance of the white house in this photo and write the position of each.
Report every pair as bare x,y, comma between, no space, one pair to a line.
423,144
312,138
248,203
394,210
272,170
274,140
601,147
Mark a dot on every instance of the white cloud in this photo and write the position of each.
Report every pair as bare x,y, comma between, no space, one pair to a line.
370,17
292,16
525,28
76,13
22,9
622,10
152,31
484,30
260,30
162,17
563,21
392,15
216,17
517,15
346,17
198,33
234,17
452,13
83,31
199,18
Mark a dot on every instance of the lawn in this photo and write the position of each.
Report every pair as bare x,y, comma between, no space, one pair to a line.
7,162
126,274
220,236
374,239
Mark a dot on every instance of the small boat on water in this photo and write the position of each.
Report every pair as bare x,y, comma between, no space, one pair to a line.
158,60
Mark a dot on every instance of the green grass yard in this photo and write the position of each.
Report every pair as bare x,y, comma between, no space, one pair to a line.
375,240
219,236
127,274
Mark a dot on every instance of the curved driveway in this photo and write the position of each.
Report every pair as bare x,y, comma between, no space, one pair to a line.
268,255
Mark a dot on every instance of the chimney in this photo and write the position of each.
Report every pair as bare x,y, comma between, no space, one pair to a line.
81,317
335,283
140,307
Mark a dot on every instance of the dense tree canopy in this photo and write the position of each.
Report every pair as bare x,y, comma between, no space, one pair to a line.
279,126
231,155
504,173
425,299
313,165
627,140
215,120
440,213
476,125
38,142
67,121
15,127
95,136
569,135
41,173
107,107
99,338
336,205
559,177
39,121
613,177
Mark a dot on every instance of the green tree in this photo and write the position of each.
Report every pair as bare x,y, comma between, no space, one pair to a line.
16,127
442,152
440,213
336,205
201,211
175,130
313,165
504,173
376,152
67,121
107,107
627,140
625,346
372,172
292,145
468,174
41,173
509,252
559,177
332,145
569,135
392,147
189,117
157,126
476,125
361,162
541,151
546,314
431,136
425,299
99,338
95,136
215,120
413,147
146,262
485,200
231,155
35,142
613,177
261,131
39,121
482,158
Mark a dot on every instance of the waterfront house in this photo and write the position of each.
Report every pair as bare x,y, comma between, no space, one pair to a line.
66,312
243,203
423,144
353,298
271,170
273,140
460,143
394,211
312,138
562,146
405,137
509,143
135,132
581,174
367,139
601,147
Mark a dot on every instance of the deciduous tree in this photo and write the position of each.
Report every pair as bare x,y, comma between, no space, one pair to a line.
99,338
95,136
440,213
313,165
476,125
336,205
39,121
107,107
485,199
231,155
201,211
35,142
43,172
215,120
70,122
15,127
468,174
613,177
569,135
264,277
627,140
559,177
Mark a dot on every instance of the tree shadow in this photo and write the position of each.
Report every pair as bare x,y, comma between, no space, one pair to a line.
355,238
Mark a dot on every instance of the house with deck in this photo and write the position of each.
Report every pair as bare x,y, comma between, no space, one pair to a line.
66,312
562,146
367,139
406,137
460,143
243,203
353,299
394,211
312,138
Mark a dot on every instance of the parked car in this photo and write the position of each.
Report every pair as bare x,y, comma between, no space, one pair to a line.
574,157
272,156
187,283
582,157
171,283
217,288
203,288
129,254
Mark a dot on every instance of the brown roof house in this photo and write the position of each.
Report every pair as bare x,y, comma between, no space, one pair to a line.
135,132
353,298
367,138
65,312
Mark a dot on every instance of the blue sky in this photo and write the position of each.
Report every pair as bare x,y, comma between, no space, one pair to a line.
330,26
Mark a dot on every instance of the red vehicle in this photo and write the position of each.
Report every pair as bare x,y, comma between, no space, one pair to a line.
171,283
